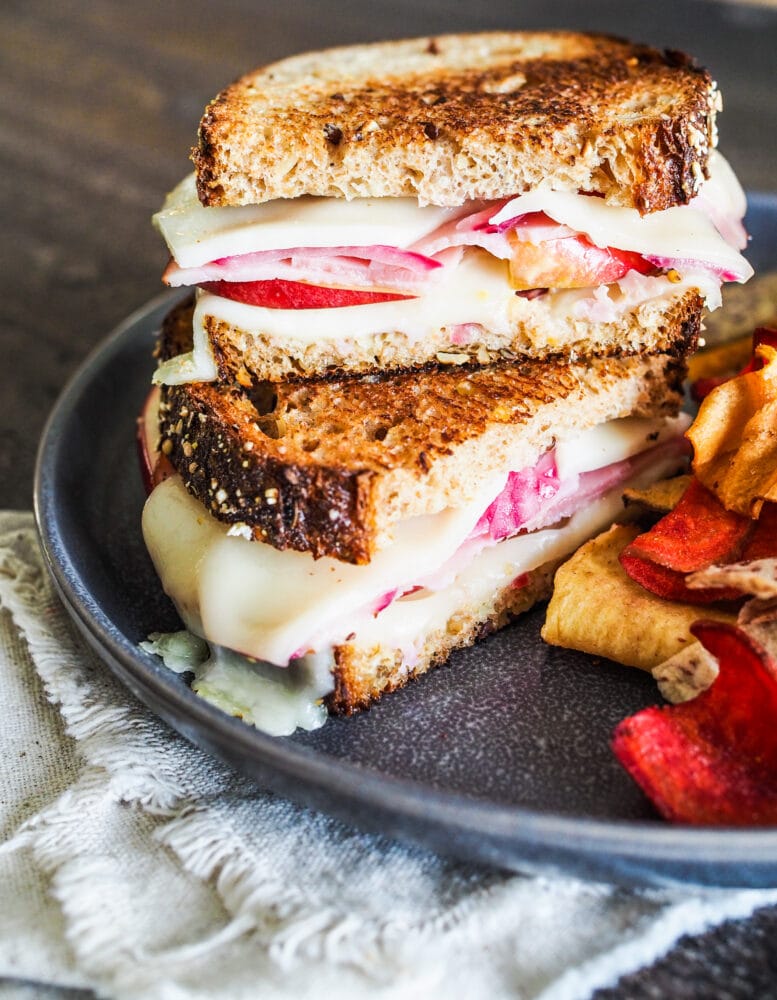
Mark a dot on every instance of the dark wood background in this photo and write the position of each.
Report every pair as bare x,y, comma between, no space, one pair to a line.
99,107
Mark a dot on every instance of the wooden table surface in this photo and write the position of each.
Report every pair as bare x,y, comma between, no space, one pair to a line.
100,104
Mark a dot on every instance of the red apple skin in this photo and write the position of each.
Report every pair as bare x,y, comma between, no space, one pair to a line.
278,293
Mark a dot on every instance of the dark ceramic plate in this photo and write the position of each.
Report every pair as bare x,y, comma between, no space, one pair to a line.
501,756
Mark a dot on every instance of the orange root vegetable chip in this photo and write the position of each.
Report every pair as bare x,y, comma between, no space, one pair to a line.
712,760
698,532
734,438
762,543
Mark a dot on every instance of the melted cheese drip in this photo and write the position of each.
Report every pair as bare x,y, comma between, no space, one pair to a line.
276,700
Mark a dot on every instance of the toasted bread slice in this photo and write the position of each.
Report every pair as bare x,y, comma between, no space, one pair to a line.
666,324
459,117
328,466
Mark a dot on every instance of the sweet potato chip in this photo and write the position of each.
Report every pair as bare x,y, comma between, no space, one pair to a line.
698,532
597,609
712,760
735,439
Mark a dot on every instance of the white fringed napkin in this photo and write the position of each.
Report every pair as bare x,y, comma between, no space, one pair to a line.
133,864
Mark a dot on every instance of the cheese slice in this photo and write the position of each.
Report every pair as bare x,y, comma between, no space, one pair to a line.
613,441
197,235
676,234
476,292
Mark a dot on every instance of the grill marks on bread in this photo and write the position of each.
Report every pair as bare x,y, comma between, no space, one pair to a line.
327,466
461,117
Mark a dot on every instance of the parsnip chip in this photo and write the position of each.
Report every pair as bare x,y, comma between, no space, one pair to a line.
686,674
598,609
660,497
762,614
758,578
735,439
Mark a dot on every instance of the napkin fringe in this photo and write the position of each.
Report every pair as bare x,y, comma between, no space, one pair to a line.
99,730
292,926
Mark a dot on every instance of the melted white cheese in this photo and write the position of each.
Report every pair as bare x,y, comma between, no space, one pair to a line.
682,233
215,578
269,604
406,623
276,700
197,235
613,441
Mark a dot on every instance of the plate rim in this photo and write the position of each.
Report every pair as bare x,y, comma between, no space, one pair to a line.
338,777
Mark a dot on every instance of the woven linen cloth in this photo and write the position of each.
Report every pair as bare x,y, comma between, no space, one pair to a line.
133,864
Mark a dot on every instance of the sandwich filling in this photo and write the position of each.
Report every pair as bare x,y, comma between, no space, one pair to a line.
314,269
280,607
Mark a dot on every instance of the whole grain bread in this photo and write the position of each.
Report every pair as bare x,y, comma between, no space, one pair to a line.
666,324
456,117
328,466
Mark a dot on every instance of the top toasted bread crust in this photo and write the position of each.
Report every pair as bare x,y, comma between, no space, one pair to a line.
459,117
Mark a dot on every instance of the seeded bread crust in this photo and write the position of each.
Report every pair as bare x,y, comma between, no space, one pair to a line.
665,325
328,466
457,117
363,674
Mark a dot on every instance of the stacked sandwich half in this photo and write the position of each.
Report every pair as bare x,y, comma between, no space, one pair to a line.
444,293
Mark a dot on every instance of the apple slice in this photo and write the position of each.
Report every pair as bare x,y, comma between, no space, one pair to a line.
278,293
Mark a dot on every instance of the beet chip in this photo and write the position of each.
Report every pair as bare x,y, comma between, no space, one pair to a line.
670,584
712,760
698,532
762,543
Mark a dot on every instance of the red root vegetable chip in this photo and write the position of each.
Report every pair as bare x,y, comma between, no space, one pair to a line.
698,532
712,760
670,584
